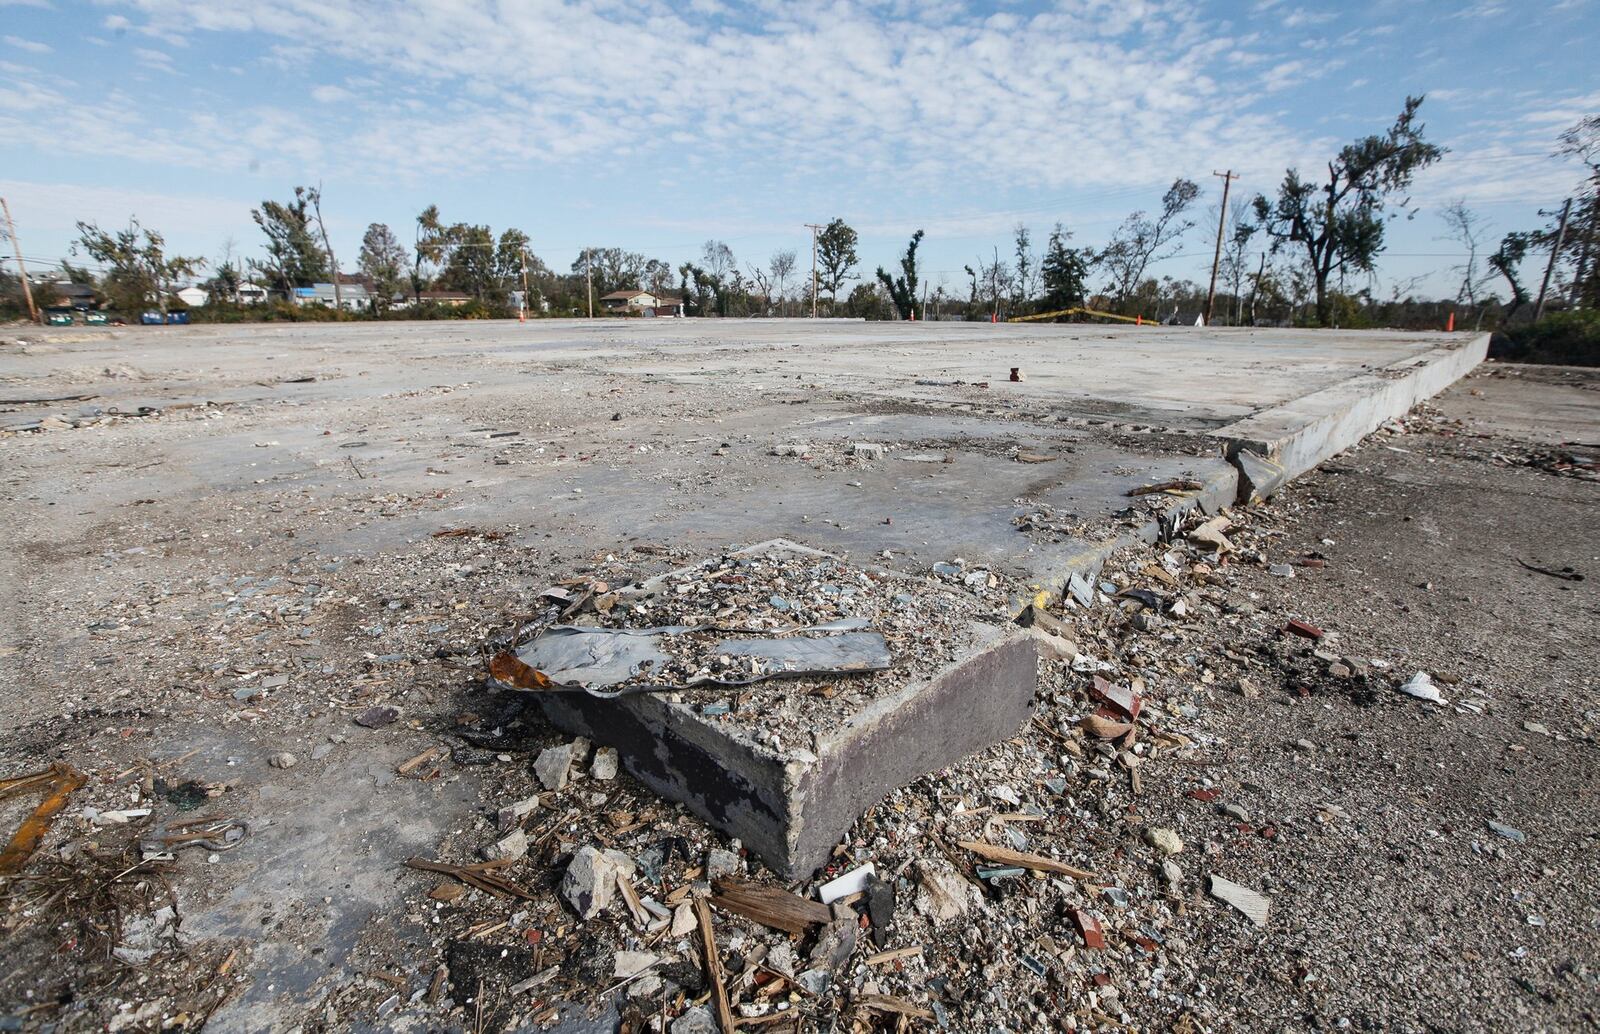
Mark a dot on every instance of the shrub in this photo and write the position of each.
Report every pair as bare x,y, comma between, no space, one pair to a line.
1563,338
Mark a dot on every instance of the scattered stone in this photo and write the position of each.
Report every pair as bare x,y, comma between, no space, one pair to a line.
697,1020
1253,905
377,716
942,893
1166,841
604,766
868,451
1281,571
683,920
283,759
591,879
1305,745
723,863
511,815
632,963
1510,833
554,766
508,848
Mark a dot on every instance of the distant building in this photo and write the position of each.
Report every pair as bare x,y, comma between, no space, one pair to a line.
194,297
628,301
666,307
61,294
252,294
449,299
353,294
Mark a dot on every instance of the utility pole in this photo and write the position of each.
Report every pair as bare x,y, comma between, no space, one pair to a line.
22,269
1216,259
588,277
813,227
1561,235
523,309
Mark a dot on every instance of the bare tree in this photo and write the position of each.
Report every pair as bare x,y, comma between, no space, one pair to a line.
1141,240
1466,229
781,266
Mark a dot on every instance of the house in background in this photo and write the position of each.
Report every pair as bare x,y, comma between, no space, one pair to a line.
449,299
354,294
194,297
62,294
628,301
666,307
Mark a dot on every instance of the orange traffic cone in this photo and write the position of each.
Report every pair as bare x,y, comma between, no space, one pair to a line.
1138,321
1450,325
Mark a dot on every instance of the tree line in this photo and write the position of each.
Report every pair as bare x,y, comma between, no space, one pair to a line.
1305,254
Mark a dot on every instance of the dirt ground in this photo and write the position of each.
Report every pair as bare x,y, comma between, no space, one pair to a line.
270,662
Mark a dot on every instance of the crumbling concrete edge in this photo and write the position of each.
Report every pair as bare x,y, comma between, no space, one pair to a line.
1216,491
1287,440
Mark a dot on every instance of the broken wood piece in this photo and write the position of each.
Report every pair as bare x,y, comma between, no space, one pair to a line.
889,1003
1006,856
770,906
480,875
713,963
894,953
630,897
410,765
1177,486
60,780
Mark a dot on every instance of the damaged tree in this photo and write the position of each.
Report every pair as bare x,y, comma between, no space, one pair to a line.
903,289
1339,224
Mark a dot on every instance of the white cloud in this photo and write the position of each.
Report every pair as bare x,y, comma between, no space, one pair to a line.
329,94
31,46
1071,95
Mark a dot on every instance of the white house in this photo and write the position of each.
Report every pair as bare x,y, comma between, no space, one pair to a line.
353,297
194,297
619,301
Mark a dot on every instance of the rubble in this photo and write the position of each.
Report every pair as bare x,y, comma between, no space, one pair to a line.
591,879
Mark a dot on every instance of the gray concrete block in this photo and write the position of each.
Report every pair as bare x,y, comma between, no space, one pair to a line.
791,812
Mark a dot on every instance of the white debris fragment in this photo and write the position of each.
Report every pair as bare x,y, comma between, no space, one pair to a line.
1254,905
1422,687
852,882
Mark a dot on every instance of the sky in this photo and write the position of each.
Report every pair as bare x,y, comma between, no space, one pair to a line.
654,126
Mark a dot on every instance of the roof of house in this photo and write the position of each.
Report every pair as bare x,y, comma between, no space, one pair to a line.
445,296
624,295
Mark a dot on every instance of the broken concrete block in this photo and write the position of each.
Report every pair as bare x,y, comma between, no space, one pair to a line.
508,848
631,963
868,451
942,894
591,879
1254,905
684,922
697,1020
554,766
511,815
791,809
1210,535
604,766
1259,477
1053,647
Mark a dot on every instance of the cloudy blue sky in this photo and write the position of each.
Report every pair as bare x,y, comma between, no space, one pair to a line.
654,126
